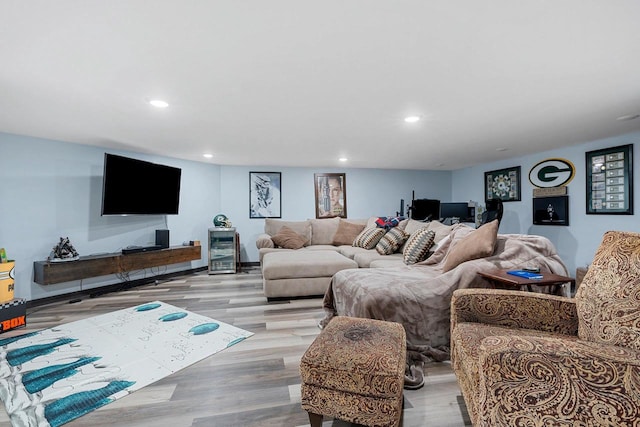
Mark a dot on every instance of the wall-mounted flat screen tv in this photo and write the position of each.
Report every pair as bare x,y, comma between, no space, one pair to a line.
136,187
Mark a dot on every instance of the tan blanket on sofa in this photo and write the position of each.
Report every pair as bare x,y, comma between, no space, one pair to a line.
419,296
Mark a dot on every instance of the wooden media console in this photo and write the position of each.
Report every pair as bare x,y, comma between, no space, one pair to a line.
49,273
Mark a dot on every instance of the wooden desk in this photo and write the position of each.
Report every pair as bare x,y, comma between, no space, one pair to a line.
501,279
48,273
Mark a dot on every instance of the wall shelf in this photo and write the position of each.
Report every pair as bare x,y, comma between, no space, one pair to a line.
49,273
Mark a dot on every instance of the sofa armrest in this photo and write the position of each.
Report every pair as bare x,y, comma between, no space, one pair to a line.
264,241
526,380
515,309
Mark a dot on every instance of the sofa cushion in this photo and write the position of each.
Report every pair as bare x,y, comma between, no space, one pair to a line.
391,241
300,264
366,258
607,299
371,222
369,238
440,229
347,233
351,251
418,245
323,230
288,239
303,228
411,226
479,243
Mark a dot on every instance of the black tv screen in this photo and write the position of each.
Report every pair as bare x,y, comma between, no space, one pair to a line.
136,187
458,210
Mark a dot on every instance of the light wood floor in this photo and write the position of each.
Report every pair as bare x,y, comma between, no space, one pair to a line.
255,383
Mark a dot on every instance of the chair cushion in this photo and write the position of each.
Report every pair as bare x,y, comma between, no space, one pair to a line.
607,299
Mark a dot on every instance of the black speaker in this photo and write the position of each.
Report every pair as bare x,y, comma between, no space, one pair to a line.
162,238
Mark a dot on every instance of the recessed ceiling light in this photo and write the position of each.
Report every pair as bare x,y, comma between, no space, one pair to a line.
628,117
501,149
207,155
159,103
412,119
343,159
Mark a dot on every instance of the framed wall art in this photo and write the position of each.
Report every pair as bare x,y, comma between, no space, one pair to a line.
331,195
610,181
551,210
264,195
503,184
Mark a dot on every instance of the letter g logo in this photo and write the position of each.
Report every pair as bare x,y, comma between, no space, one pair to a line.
552,173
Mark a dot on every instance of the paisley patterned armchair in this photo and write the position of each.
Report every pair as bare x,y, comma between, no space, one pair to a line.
525,359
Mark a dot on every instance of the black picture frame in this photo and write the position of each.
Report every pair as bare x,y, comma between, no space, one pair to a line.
330,195
264,195
609,183
553,210
503,184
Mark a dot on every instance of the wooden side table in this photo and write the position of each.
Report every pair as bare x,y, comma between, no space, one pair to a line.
501,279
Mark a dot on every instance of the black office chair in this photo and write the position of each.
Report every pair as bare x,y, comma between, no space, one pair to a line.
494,210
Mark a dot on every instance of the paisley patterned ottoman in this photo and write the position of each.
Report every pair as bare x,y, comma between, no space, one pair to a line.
354,371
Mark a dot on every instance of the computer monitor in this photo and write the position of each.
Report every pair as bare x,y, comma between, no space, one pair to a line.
458,210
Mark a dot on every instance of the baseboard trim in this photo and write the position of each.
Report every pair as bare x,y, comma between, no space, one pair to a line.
77,296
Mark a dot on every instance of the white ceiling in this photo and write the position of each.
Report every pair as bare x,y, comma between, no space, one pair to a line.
301,83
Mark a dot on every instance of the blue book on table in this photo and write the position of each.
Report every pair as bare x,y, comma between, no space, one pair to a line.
525,274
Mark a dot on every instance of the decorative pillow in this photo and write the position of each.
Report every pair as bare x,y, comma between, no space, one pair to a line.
347,233
607,299
418,246
438,251
264,241
391,241
272,227
288,239
479,243
369,238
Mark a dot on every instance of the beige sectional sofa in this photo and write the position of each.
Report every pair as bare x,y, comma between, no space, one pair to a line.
307,271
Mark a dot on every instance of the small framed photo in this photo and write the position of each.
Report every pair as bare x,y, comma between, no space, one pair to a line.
503,184
331,195
264,195
610,181
551,210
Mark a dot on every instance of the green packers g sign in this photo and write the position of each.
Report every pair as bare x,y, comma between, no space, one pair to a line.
552,173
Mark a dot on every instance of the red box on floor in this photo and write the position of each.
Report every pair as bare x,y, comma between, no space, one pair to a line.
13,314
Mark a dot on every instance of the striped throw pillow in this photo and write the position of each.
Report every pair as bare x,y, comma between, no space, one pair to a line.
418,246
369,238
391,241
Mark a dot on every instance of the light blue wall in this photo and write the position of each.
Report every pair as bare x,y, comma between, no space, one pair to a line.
51,189
576,243
370,192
